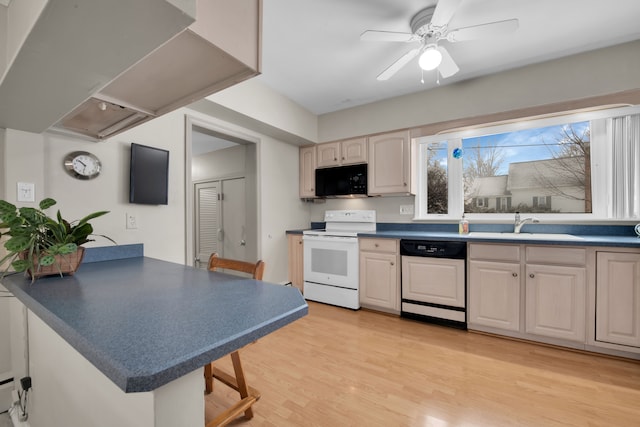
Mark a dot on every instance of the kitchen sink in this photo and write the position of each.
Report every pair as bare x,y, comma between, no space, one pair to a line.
523,236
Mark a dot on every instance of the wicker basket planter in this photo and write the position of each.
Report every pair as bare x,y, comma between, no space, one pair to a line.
64,264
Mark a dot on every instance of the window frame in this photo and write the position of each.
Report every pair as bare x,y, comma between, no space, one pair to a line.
601,165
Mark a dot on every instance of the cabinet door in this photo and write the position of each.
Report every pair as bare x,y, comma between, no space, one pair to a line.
556,301
296,265
329,154
354,151
618,298
308,172
494,294
379,280
389,164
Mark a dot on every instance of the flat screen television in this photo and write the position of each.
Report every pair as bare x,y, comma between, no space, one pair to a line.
149,175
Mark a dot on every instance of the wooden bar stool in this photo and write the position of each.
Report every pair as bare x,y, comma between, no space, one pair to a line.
248,394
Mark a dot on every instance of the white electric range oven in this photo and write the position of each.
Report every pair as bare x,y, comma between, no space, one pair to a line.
331,258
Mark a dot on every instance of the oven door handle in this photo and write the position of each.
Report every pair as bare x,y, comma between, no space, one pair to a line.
327,239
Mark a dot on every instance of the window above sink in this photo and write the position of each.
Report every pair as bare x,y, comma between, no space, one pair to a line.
574,167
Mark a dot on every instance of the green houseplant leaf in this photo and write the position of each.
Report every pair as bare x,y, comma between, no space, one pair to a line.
37,241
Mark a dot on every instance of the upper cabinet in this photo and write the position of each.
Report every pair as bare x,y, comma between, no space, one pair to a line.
389,164
307,172
341,153
97,69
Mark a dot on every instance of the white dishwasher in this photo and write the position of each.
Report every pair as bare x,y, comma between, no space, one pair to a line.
433,282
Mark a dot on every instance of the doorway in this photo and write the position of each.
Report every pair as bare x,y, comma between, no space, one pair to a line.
221,188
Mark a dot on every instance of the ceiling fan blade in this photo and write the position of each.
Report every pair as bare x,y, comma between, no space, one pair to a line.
445,9
492,29
386,36
447,67
396,66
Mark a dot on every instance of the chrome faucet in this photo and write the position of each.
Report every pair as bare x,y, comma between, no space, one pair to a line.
517,226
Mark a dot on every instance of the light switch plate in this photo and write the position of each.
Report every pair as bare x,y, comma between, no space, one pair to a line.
26,192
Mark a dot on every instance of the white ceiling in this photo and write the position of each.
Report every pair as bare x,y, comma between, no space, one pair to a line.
312,52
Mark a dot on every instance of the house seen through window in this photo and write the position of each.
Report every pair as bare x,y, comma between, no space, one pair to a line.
537,170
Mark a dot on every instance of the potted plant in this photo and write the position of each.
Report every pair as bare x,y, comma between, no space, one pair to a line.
41,245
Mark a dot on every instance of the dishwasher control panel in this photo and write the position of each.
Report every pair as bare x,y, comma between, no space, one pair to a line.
421,248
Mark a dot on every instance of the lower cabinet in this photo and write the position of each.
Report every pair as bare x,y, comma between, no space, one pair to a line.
296,263
618,300
380,274
494,294
548,301
556,301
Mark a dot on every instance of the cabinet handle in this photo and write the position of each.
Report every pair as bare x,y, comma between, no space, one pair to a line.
376,245
343,158
393,263
405,184
335,159
532,275
300,242
514,274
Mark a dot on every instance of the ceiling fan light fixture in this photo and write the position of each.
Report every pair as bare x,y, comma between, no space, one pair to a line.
430,58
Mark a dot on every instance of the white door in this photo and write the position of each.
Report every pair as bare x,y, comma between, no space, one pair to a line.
220,220
208,222
234,238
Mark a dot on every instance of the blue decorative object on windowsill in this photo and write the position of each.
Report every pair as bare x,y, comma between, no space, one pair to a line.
457,153
637,229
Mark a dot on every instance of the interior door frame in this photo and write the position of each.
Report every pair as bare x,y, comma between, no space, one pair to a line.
231,135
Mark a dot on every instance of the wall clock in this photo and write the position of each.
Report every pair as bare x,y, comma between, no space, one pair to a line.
82,165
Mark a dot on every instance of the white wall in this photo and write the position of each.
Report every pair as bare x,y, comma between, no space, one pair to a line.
600,72
219,164
38,158
24,161
253,104
160,228
387,208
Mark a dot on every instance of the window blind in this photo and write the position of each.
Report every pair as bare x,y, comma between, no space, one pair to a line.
625,131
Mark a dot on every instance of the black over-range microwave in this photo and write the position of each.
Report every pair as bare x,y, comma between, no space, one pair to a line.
342,181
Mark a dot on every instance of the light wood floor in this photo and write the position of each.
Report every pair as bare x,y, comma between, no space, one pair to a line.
337,367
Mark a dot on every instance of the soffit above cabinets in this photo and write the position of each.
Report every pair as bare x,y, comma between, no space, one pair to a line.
76,48
185,69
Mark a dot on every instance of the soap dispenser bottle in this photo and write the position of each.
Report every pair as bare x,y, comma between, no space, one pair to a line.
463,227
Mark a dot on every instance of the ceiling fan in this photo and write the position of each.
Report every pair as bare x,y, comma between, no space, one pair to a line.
430,26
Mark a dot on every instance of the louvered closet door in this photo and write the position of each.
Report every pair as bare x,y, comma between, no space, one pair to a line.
208,226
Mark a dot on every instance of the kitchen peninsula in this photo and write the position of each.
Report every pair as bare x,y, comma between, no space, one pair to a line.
123,341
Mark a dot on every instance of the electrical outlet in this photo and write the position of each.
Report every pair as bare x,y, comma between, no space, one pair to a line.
406,209
132,221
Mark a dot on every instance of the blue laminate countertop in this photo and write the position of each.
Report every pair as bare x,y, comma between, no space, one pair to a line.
145,322
582,240
586,234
